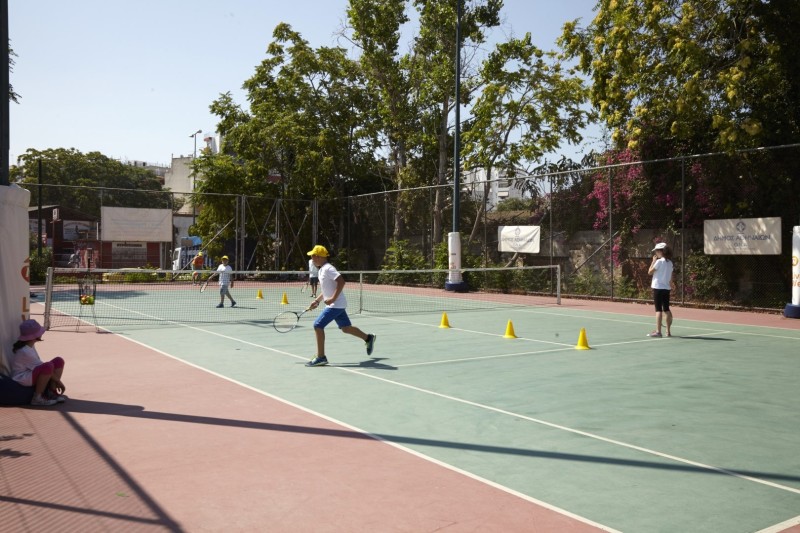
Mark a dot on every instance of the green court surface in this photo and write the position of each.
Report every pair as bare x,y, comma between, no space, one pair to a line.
698,432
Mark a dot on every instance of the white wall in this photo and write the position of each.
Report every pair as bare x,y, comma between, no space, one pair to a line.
178,179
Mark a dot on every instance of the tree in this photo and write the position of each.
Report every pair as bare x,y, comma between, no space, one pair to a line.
415,91
709,74
525,109
308,126
14,97
433,72
73,178
376,32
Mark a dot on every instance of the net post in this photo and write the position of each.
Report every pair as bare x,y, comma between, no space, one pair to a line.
558,284
455,282
48,296
360,292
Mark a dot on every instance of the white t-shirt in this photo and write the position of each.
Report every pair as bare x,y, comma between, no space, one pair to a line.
327,280
224,274
313,270
662,275
23,361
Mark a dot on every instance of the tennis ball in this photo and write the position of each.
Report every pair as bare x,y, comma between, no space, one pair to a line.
90,299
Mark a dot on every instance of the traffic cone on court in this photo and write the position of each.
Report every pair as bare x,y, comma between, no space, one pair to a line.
284,300
445,323
259,295
510,331
583,344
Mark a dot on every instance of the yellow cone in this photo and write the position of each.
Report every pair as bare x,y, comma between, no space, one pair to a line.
445,323
510,331
259,295
284,300
583,344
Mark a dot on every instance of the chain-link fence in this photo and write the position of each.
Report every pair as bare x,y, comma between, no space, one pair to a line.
599,224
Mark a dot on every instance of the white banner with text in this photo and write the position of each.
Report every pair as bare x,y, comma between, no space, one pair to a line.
521,239
742,236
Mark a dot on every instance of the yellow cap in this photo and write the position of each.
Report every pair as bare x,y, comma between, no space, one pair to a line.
319,250
224,257
200,254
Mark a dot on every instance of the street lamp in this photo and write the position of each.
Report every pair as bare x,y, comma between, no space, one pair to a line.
194,156
195,134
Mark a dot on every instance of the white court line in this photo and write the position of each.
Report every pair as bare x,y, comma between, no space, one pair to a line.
777,528
537,352
680,325
483,357
351,427
512,414
487,408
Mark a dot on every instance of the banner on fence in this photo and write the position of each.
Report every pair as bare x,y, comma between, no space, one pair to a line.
136,224
742,236
521,239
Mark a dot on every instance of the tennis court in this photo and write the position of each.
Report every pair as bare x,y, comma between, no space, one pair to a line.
698,432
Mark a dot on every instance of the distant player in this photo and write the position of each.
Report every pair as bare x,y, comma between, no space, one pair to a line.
661,270
225,273
197,266
313,277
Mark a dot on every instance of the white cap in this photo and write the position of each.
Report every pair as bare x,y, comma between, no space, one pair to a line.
660,246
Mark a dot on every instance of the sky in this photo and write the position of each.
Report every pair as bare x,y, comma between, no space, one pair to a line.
134,79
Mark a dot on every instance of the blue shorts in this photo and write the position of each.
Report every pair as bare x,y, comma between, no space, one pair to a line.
329,314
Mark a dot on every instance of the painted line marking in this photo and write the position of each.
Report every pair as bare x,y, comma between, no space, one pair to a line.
351,427
777,528
505,412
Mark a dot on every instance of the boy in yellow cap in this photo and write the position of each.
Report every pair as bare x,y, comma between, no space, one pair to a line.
332,289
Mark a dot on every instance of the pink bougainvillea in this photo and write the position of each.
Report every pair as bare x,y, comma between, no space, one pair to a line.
628,188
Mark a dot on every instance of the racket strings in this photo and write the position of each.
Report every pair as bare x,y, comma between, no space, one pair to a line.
285,321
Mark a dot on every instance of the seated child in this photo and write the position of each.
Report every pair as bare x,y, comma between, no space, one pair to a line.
28,369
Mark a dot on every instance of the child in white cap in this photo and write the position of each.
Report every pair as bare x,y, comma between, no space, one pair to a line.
661,270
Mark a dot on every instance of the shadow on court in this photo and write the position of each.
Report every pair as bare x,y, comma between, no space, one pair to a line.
115,409
118,501
374,364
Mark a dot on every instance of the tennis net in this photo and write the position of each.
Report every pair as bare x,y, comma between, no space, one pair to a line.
130,297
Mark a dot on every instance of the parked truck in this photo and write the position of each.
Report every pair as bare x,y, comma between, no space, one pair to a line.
182,256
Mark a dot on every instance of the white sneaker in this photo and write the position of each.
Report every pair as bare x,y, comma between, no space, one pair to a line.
50,395
41,401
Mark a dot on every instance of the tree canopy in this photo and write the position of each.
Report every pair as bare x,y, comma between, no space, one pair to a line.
331,122
72,178
700,74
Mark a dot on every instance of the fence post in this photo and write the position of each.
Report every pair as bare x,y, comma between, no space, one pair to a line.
683,230
610,232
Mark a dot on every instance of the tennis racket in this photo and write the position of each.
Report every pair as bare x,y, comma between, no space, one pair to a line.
203,286
287,321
